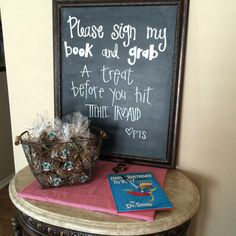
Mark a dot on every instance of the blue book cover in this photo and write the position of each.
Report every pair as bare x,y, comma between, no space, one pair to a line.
138,191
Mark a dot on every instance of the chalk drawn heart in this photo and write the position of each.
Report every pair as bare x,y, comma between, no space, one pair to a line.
129,131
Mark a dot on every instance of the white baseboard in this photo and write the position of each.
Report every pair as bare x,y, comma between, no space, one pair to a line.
6,181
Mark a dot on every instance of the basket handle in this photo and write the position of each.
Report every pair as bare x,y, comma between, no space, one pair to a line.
103,134
18,139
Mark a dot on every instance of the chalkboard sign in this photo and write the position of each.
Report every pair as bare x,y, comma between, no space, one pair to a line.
121,64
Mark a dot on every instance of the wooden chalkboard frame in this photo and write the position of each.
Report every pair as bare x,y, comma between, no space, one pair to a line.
177,71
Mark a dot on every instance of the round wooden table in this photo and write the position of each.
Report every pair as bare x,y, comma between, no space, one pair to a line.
41,218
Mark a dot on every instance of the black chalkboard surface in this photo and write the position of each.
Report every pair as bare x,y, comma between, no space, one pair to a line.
121,64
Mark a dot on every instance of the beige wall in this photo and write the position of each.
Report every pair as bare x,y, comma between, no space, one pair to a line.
6,156
208,131
27,30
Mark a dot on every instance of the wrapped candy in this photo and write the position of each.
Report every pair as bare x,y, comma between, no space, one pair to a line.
61,152
72,126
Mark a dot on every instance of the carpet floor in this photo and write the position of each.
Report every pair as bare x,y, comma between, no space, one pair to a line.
7,211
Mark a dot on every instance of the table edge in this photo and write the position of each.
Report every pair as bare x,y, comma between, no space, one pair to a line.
83,225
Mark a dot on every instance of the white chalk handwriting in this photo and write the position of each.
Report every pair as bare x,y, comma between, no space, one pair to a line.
140,134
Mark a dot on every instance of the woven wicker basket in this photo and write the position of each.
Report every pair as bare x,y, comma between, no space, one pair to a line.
60,163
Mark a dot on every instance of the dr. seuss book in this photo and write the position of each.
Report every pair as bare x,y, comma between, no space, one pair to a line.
138,191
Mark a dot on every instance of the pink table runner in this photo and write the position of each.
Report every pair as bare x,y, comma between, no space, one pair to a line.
95,195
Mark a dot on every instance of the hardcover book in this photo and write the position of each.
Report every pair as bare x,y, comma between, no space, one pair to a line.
138,191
